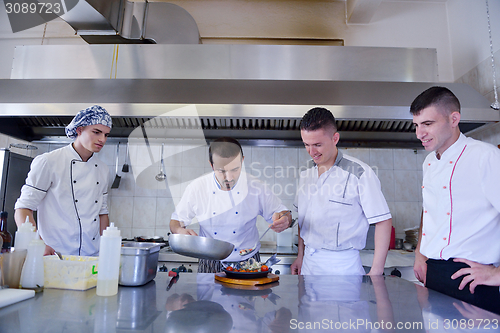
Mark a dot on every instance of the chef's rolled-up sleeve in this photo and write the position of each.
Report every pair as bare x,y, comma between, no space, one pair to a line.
104,207
371,198
37,184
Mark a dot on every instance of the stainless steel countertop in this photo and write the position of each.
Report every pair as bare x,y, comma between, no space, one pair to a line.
355,302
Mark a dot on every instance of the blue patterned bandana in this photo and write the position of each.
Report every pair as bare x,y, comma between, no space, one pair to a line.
90,116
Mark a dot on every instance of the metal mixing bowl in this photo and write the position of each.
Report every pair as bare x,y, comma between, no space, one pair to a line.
200,247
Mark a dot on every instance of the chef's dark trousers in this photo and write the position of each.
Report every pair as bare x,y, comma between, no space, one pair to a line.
215,266
438,278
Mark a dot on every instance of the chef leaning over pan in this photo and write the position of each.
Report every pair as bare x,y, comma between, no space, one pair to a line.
227,203
68,188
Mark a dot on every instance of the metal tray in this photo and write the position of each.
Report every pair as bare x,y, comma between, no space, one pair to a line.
139,263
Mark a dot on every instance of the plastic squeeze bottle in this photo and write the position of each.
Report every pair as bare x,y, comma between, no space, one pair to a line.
32,275
109,262
24,235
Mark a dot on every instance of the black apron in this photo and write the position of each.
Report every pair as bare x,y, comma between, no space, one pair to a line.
438,278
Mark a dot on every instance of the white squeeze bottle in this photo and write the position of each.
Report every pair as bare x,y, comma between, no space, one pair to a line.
24,235
109,262
32,275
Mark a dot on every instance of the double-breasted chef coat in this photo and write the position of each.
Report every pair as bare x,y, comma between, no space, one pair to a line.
228,215
461,203
68,195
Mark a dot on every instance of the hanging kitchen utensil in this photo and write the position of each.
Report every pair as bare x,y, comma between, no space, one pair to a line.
116,182
161,176
496,104
125,165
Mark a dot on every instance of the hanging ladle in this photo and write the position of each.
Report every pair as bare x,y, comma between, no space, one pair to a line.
161,176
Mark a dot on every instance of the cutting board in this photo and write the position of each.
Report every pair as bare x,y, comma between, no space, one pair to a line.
248,282
10,296
260,289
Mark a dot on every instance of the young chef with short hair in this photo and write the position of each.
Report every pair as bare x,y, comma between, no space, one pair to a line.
337,200
68,187
461,199
227,203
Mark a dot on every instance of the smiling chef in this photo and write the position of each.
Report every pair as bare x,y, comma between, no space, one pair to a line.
461,201
68,188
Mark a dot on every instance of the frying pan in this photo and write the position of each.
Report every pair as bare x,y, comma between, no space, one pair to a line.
200,247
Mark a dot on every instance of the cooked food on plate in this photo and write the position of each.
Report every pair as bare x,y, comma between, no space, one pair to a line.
250,265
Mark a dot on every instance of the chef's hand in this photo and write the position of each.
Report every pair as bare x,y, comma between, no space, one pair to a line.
296,266
420,267
49,251
185,231
488,275
281,221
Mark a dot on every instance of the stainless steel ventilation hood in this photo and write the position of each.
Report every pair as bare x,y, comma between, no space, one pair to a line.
257,94
134,22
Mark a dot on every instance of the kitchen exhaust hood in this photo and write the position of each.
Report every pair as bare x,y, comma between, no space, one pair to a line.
256,93
132,22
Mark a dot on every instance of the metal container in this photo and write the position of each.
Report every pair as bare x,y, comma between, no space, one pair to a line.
139,261
200,247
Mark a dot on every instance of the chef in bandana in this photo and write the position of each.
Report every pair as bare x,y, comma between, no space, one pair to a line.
68,188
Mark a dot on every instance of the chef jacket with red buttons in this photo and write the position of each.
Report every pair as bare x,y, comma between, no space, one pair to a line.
461,203
230,216
68,195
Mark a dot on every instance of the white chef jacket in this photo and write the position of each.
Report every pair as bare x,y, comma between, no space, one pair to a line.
228,215
68,195
461,203
335,210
